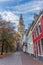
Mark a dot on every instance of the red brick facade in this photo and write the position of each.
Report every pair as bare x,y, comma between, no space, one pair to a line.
37,35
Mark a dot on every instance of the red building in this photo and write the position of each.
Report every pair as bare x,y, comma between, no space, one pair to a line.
37,34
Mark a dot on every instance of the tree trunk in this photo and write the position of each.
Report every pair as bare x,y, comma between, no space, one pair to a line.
6,49
2,50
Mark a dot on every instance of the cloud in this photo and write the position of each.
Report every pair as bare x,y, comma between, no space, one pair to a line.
24,8
28,7
10,16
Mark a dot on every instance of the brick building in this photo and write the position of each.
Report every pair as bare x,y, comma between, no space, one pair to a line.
37,34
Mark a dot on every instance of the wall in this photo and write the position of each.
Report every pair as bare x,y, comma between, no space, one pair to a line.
30,43
39,36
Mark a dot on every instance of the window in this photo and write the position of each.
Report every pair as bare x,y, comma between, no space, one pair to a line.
37,31
39,27
34,33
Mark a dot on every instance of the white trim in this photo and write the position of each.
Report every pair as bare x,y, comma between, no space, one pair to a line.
37,22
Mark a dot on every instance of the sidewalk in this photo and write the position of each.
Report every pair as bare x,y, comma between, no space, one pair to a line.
29,60
19,58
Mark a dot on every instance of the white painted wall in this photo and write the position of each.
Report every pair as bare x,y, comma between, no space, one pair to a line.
29,44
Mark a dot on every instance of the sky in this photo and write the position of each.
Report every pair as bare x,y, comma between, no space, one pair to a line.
10,10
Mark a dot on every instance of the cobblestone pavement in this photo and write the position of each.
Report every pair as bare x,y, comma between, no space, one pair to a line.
19,58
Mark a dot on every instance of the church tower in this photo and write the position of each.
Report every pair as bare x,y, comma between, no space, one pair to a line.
21,29
21,26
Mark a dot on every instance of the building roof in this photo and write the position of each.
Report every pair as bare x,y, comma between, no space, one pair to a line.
36,17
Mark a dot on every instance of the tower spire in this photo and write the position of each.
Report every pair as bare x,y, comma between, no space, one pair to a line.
21,20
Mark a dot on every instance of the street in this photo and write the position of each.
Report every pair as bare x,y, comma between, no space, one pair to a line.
19,58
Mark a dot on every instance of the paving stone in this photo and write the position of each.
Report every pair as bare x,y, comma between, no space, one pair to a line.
19,58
